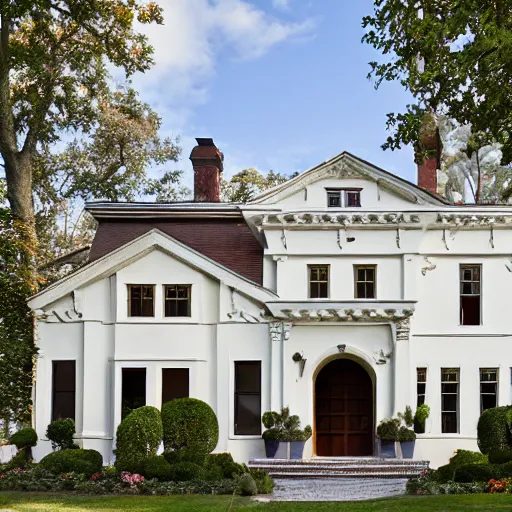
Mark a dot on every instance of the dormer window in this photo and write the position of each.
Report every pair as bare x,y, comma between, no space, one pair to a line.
343,197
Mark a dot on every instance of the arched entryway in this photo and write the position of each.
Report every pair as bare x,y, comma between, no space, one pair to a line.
344,410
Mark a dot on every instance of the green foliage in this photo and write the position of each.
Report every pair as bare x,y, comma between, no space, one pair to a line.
420,417
60,433
16,339
24,438
494,430
186,471
443,474
475,473
264,482
189,424
407,417
155,466
138,436
387,430
282,426
463,46
406,435
247,184
84,462
464,457
224,461
247,485
500,456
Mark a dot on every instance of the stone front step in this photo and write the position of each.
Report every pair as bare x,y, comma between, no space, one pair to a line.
340,468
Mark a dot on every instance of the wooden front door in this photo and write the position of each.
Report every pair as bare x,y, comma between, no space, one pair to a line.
344,410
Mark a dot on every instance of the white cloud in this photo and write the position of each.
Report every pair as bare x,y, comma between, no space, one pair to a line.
281,4
196,33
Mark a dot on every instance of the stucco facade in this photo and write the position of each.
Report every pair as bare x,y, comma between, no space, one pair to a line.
415,242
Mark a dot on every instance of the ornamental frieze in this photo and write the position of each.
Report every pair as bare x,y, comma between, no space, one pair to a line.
349,315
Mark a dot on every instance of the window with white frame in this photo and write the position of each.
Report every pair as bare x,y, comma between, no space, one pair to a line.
343,197
488,388
421,385
449,400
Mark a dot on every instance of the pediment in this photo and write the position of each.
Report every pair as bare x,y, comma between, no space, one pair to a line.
347,169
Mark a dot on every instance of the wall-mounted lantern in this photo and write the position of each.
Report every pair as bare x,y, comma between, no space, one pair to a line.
299,358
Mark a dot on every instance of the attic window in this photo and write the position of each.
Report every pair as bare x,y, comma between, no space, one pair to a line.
343,197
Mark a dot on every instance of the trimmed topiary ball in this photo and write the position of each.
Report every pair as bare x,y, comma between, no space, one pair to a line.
24,438
191,424
494,430
84,462
157,467
138,436
247,485
186,471
60,433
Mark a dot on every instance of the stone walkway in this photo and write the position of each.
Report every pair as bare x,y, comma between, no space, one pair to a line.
337,489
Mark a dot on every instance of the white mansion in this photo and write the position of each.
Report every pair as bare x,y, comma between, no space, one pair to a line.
391,296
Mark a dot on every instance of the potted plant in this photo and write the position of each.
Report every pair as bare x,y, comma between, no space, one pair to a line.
420,417
283,438
387,432
406,435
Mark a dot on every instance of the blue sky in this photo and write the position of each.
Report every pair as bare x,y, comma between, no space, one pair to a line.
278,84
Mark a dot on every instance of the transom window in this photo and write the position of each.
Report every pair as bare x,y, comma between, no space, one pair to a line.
318,281
141,300
365,283
449,400
488,388
470,294
177,300
343,197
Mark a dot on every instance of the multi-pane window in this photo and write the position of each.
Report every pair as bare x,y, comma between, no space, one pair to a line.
364,277
470,294
449,400
141,300
488,388
339,197
247,397
421,385
318,281
64,390
177,299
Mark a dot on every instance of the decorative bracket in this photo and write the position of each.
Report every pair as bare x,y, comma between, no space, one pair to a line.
429,267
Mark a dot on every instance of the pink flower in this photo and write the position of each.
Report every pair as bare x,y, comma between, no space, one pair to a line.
96,476
132,479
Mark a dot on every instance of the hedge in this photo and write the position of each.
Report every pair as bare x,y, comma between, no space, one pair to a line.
138,436
224,461
186,471
475,473
500,456
60,433
157,467
494,430
85,462
191,424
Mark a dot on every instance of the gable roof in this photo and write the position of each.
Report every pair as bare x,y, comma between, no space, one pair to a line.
348,165
134,250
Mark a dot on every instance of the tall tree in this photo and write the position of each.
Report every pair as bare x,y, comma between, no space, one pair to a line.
454,57
54,56
247,184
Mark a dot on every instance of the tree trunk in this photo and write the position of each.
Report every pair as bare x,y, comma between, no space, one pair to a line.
479,185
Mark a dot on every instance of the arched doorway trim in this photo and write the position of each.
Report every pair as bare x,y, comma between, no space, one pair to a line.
344,424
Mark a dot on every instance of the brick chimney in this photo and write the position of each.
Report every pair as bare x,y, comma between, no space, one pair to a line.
207,162
428,154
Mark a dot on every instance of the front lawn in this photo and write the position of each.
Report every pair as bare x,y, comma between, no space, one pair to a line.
26,502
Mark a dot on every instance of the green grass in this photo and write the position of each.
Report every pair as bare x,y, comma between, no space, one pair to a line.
27,502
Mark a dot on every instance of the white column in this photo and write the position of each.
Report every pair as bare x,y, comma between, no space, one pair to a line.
276,365
401,366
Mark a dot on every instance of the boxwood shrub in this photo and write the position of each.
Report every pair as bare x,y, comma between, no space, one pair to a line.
138,436
189,423
494,430
60,433
224,461
500,456
24,438
157,467
85,462
475,473
186,471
